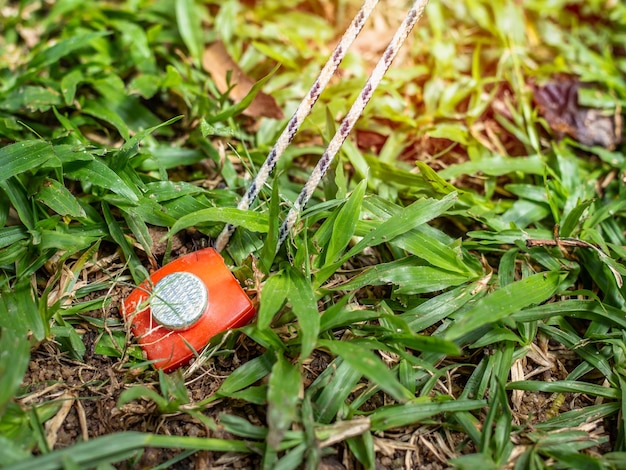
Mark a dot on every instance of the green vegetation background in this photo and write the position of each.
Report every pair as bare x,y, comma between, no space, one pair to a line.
426,266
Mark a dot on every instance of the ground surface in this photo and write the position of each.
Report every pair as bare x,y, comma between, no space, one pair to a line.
451,297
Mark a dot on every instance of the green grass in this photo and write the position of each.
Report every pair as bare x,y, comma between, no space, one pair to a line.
424,274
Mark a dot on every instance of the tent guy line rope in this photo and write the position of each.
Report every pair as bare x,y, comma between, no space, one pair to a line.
303,110
353,115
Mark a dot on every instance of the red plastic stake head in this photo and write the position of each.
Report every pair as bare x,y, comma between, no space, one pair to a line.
183,305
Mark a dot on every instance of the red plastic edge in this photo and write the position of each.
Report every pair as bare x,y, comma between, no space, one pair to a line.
229,307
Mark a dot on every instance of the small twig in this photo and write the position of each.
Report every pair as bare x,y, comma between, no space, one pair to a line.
561,243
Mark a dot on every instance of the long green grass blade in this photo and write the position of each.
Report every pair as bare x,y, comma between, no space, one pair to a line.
367,364
24,156
11,235
282,398
112,448
99,174
422,243
345,223
190,28
410,217
14,358
63,48
336,391
505,301
58,198
409,279
304,305
585,309
395,416
273,297
564,386
247,374
252,221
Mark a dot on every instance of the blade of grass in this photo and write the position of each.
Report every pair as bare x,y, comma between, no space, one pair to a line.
58,198
24,311
25,156
246,375
574,418
334,393
282,398
253,221
567,336
505,301
394,416
366,363
292,459
190,28
268,253
410,279
410,217
244,103
304,305
273,297
345,223
574,308
99,174
565,386
423,244
441,306
63,48
138,271
113,448
362,447
16,194
14,358
11,235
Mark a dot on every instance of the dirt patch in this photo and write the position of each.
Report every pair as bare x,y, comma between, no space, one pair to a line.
93,388
86,392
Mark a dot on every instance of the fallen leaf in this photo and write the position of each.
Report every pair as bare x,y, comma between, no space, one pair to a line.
53,425
558,103
370,141
219,64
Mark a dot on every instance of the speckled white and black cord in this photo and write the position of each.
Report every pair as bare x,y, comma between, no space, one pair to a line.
413,15
303,110
348,122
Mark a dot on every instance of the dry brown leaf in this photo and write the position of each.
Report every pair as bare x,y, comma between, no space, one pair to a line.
345,430
517,373
53,425
558,103
219,63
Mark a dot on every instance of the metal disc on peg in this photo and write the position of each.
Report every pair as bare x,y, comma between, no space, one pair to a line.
179,300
